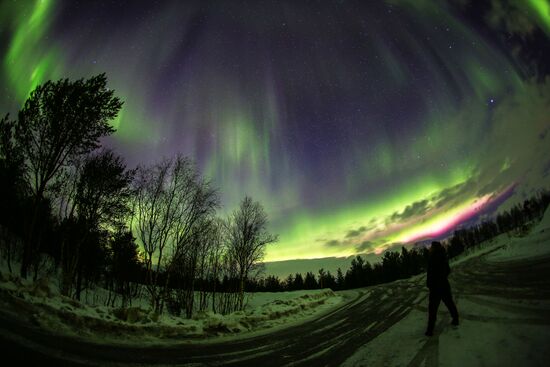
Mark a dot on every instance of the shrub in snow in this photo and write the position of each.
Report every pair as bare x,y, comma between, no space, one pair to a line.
132,314
43,288
49,309
214,323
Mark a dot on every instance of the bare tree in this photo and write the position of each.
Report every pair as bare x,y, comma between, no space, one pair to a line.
208,268
197,253
65,188
196,202
248,238
171,201
229,299
150,219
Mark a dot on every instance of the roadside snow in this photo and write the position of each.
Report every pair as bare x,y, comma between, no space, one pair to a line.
501,240
536,244
493,331
53,311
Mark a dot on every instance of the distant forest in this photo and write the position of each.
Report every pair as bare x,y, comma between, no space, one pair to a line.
72,210
408,262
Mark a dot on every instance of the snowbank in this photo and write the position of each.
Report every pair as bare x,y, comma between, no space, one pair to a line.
267,310
505,247
45,306
486,247
544,223
535,244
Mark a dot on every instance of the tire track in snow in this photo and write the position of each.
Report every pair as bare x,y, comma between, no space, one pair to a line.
326,341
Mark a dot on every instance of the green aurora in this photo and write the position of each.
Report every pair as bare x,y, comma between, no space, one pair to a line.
356,135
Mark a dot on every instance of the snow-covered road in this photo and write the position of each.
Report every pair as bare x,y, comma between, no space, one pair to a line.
382,325
327,340
496,301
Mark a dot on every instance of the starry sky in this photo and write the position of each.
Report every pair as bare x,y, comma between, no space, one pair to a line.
359,125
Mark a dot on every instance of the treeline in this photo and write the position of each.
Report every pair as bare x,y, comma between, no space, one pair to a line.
518,219
408,262
393,265
72,208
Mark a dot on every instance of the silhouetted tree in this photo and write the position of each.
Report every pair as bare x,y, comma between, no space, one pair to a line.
93,260
210,249
59,120
391,266
171,203
248,238
102,203
456,245
326,280
124,265
289,282
190,238
152,215
103,191
298,282
13,190
309,281
355,276
273,284
370,277
340,282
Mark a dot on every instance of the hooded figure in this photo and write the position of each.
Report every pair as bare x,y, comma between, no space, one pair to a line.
440,289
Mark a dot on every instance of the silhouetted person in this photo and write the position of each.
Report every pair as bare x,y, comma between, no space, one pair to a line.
440,289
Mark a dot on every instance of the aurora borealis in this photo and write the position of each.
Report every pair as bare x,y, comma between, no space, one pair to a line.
359,125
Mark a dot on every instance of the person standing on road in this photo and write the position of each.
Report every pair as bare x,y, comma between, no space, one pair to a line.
440,289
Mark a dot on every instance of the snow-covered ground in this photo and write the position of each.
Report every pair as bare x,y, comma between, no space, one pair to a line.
53,311
536,244
497,338
504,317
493,330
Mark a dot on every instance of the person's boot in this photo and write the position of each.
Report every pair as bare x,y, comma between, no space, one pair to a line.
454,322
429,333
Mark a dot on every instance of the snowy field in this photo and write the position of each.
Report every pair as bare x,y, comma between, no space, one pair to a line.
494,330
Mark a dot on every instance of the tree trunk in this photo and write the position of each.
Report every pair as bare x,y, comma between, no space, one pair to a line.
190,304
241,293
27,246
78,282
214,297
164,293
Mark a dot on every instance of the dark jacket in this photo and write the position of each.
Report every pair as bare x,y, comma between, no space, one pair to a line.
438,269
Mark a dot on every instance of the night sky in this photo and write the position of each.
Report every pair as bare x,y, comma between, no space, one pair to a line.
360,125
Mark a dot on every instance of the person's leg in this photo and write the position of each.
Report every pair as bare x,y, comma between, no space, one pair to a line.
447,299
433,305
